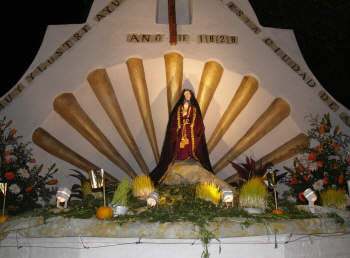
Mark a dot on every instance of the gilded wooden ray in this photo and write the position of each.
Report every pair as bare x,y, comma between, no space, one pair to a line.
284,152
139,86
275,113
245,92
70,110
174,76
56,148
103,89
210,79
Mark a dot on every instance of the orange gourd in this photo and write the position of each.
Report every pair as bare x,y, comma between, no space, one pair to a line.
3,218
277,211
104,212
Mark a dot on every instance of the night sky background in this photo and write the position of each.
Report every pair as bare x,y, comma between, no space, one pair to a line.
321,28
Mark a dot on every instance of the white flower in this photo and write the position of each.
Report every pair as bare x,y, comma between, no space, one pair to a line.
23,173
304,160
313,166
335,157
318,185
14,188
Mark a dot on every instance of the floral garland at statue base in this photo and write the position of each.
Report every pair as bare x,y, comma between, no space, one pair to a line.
25,181
324,166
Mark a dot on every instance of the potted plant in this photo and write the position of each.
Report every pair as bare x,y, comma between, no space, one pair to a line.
253,195
120,198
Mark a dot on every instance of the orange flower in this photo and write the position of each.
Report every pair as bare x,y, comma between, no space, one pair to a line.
336,146
9,175
325,180
319,148
9,123
312,156
301,197
319,164
52,182
300,167
336,129
28,189
341,179
294,180
12,132
321,129
6,153
40,167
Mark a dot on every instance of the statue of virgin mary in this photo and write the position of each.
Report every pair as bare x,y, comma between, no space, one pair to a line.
184,138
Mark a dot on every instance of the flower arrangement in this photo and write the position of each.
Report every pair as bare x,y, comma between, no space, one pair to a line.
325,165
25,180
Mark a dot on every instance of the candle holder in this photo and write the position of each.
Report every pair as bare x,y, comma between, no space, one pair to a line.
3,188
97,180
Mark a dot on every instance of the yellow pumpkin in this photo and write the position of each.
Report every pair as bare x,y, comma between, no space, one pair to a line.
3,218
104,212
277,211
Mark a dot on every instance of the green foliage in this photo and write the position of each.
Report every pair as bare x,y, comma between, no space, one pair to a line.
120,196
323,166
26,182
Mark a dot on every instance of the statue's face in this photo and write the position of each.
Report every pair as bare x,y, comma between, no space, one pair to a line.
187,95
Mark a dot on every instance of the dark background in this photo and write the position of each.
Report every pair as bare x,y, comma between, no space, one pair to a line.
321,28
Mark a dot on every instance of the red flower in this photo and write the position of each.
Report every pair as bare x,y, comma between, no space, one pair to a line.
348,160
300,168
319,164
312,156
325,180
9,175
335,166
32,160
308,171
321,129
28,189
306,177
341,179
301,197
7,161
